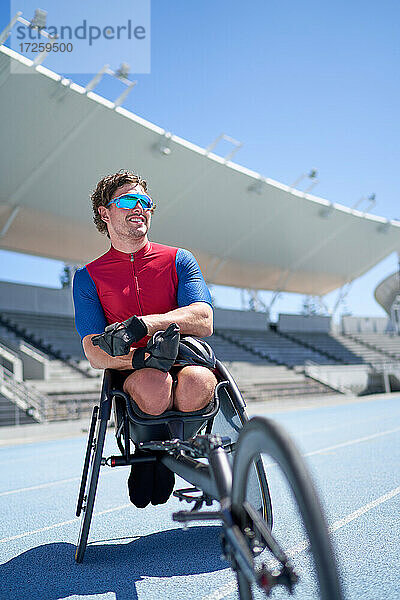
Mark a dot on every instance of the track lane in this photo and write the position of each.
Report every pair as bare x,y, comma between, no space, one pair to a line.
129,541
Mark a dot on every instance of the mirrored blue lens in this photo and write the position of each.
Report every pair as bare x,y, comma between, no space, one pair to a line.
130,201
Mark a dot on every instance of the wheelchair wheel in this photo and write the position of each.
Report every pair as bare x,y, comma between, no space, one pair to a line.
303,536
86,501
229,422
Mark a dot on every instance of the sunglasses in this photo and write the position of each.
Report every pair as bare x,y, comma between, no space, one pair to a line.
130,201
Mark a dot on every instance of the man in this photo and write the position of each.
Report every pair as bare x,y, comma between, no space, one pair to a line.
149,287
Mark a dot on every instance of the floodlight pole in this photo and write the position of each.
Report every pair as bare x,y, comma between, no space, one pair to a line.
42,32
311,175
121,74
122,78
96,79
227,138
371,200
6,32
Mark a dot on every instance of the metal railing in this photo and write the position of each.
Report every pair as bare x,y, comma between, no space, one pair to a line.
24,397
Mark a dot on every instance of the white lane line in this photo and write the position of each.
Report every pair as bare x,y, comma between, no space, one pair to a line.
40,486
341,445
230,587
50,484
313,453
103,512
364,509
351,442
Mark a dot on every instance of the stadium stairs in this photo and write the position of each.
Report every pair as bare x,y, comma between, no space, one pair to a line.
260,374
45,333
350,349
66,386
382,344
362,367
12,414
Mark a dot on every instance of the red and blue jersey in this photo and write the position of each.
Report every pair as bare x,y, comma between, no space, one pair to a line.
117,285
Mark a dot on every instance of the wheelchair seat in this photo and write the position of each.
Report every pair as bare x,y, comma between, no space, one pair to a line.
171,424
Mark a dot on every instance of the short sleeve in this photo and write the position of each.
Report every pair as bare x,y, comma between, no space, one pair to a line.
89,314
191,284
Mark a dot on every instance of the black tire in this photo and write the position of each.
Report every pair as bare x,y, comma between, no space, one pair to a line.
262,436
96,456
233,407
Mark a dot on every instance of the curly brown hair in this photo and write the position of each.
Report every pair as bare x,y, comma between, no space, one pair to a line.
105,190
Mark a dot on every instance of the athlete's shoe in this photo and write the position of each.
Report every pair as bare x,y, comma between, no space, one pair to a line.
163,483
150,482
140,482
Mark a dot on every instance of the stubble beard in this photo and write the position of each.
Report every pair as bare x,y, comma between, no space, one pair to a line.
136,232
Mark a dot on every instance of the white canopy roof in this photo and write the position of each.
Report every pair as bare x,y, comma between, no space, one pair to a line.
387,291
245,230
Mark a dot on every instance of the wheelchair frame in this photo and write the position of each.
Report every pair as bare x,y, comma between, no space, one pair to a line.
179,456
247,521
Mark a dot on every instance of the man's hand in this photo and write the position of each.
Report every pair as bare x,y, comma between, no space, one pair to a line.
162,349
118,337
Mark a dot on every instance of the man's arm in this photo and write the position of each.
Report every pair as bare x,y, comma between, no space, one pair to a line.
101,360
195,319
90,320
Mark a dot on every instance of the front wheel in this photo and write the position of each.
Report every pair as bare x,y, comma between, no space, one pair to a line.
301,540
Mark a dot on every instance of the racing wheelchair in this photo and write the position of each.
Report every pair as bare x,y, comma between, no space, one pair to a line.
220,453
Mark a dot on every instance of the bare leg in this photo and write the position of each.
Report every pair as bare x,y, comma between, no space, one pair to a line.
194,389
151,389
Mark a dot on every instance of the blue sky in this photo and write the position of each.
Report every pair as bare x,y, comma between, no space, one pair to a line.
302,85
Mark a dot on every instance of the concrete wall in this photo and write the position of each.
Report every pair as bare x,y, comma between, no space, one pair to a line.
237,319
310,323
35,299
347,379
364,324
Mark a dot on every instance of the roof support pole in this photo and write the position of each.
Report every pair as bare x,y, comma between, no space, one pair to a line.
255,302
9,221
276,294
343,291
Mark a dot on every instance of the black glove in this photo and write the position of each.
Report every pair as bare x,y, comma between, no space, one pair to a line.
163,349
118,337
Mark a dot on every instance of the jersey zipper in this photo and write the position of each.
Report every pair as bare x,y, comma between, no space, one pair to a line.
135,279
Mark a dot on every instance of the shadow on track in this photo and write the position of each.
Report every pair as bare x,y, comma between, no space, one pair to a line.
50,572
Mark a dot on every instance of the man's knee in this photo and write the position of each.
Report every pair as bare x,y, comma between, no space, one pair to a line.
151,389
194,389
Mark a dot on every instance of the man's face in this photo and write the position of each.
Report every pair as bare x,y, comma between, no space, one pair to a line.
126,223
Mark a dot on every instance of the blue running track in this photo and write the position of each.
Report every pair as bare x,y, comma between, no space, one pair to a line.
353,452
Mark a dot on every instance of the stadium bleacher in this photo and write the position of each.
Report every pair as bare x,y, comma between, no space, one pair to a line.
55,333
276,348
382,343
341,348
42,347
